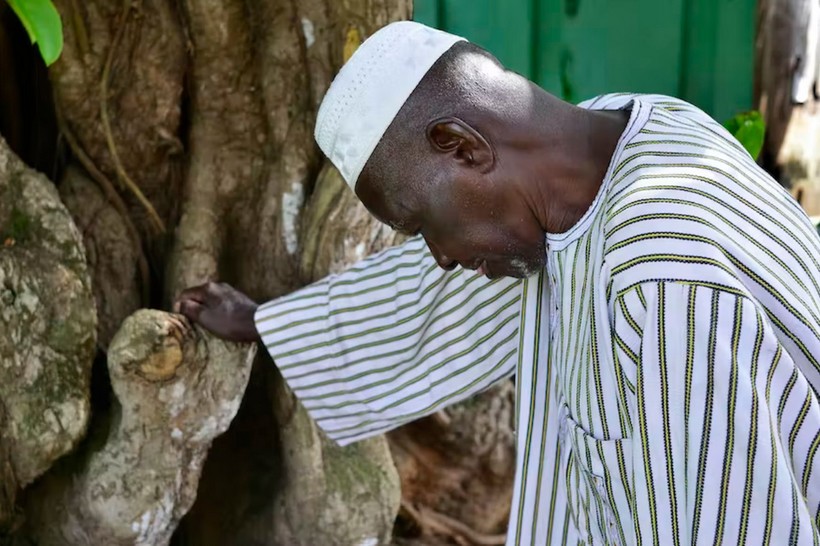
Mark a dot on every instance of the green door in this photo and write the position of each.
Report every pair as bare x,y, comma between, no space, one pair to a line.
699,50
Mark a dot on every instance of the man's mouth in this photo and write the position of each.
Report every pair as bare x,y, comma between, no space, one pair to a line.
482,269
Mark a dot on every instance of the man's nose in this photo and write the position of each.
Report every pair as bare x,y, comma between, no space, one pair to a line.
443,261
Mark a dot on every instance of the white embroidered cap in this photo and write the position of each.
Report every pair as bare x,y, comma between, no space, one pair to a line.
371,88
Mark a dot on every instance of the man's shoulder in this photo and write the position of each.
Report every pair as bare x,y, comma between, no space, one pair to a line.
687,203
679,149
704,227
661,234
677,113
614,101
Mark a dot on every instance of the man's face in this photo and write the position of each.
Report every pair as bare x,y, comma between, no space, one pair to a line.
467,218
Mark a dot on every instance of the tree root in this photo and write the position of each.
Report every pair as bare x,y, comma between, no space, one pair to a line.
113,197
109,137
430,521
461,462
178,388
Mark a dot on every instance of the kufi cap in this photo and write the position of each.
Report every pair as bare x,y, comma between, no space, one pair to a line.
371,88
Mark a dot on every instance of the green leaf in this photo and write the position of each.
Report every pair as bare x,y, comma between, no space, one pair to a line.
749,129
42,22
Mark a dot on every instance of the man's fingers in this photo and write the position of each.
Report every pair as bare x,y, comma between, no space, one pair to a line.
210,293
202,294
179,323
190,308
195,293
213,294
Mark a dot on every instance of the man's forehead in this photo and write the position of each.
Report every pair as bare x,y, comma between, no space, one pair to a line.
388,193
372,194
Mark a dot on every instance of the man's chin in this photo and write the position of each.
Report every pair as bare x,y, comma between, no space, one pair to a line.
516,269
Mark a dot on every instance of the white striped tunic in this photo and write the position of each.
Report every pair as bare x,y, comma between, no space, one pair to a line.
666,358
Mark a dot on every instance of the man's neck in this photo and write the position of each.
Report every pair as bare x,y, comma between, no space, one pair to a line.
571,164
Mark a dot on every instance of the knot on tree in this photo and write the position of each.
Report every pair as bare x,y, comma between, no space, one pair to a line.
151,345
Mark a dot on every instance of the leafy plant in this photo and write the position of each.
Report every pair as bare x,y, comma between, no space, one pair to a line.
42,22
749,129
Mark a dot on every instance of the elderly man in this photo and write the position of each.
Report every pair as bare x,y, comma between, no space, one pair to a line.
654,291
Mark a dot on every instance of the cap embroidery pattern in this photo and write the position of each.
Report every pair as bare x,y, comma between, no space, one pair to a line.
371,88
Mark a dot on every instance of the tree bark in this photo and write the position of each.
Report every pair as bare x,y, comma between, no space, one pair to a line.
786,90
48,327
113,253
196,118
457,470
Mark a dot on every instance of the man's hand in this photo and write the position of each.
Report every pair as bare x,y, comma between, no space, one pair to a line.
220,309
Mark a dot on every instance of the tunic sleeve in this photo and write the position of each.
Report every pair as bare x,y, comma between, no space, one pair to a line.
726,427
390,340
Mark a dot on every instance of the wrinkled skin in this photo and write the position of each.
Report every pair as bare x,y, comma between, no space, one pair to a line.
464,215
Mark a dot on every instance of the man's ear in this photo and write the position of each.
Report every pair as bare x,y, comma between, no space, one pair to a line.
457,138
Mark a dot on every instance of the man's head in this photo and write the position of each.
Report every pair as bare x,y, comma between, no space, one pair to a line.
441,169
451,165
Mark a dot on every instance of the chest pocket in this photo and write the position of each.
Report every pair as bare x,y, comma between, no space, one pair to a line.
598,484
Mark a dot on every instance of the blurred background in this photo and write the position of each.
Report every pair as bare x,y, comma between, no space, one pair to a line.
699,50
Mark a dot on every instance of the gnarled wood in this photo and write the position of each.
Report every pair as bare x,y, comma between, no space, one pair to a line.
119,85
457,469
113,255
47,329
316,493
177,389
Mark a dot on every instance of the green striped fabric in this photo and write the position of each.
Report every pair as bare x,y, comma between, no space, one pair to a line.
667,358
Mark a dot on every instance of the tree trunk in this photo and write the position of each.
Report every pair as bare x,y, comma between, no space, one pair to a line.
193,122
186,128
786,90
